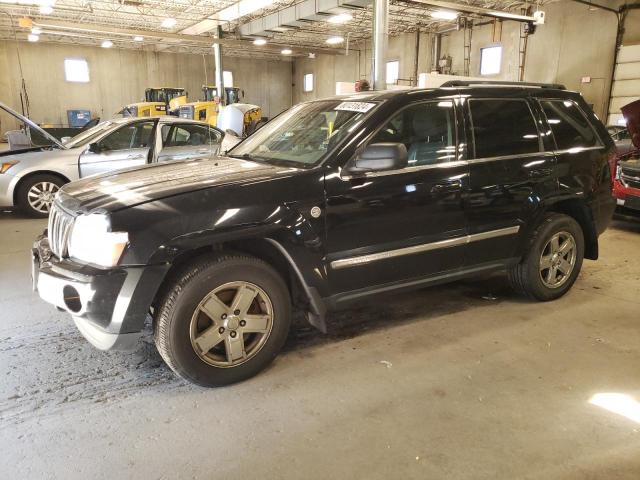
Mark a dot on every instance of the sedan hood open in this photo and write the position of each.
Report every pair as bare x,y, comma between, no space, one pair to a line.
631,114
126,188
32,124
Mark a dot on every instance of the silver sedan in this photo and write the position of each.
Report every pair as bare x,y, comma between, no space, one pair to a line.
30,178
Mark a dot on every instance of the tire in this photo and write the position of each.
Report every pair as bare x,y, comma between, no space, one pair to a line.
35,195
535,276
200,300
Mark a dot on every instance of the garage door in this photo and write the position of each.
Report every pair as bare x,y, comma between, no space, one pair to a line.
626,82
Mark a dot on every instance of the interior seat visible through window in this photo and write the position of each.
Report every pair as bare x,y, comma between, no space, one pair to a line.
426,129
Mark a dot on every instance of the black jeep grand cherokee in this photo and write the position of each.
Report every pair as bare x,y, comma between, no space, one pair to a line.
330,202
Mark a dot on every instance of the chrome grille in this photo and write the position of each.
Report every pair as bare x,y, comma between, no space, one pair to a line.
60,224
630,178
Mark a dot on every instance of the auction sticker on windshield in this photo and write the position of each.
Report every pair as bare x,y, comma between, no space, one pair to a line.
361,107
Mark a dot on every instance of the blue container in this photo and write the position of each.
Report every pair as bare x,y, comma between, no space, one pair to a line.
78,118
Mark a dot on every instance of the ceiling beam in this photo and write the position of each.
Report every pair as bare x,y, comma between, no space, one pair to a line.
60,27
487,12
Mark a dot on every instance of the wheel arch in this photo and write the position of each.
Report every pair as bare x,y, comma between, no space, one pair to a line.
275,255
29,175
580,212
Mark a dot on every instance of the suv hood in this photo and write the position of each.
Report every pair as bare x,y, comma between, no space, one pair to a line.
127,188
631,114
32,124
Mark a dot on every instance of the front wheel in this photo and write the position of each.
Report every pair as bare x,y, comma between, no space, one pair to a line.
223,320
35,195
553,261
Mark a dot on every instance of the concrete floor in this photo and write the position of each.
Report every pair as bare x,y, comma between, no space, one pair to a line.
462,381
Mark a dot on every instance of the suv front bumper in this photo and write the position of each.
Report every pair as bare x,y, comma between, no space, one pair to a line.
108,306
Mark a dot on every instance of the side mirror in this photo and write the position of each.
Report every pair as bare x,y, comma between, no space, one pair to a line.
380,157
94,148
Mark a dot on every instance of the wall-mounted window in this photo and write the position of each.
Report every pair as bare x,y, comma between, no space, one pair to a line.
490,60
227,78
76,70
307,84
393,72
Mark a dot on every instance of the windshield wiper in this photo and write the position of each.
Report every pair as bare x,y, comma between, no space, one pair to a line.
246,156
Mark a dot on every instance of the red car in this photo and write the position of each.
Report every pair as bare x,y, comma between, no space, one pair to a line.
626,183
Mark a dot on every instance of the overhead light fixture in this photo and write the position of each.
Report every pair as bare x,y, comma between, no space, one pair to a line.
335,40
107,44
169,22
444,15
138,38
259,41
36,30
46,9
340,18
32,37
286,51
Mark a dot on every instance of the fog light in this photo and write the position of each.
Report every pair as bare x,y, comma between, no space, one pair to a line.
71,299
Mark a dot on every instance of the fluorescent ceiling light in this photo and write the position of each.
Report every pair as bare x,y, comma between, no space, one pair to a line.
107,44
259,41
36,30
335,40
138,38
286,51
341,18
46,9
33,38
444,15
169,22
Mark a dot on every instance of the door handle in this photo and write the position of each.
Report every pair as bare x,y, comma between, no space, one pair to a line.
446,187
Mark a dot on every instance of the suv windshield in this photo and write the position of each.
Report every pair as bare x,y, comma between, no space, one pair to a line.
303,135
88,135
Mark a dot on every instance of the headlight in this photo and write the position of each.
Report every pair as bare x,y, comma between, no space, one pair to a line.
92,241
7,165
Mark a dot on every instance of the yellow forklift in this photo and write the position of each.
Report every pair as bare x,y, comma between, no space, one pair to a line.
211,107
157,102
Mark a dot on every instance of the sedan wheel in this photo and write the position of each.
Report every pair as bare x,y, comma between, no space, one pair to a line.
40,196
36,193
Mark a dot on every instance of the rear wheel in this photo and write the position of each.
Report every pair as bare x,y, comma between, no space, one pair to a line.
35,195
553,261
223,320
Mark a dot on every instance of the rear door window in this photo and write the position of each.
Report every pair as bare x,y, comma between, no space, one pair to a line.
188,135
570,127
503,127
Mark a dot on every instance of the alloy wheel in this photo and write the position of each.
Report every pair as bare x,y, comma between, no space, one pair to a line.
558,260
231,324
41,195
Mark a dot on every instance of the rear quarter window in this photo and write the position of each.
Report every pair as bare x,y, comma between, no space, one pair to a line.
569,126
503,127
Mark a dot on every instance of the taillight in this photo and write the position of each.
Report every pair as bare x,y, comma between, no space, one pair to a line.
613,165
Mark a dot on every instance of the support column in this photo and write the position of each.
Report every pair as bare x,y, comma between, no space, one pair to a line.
217,55
380,43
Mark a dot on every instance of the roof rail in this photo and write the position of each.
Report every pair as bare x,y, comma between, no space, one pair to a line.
498,83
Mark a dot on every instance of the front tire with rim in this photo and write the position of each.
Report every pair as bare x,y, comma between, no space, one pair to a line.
35,194
223,319
553,260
